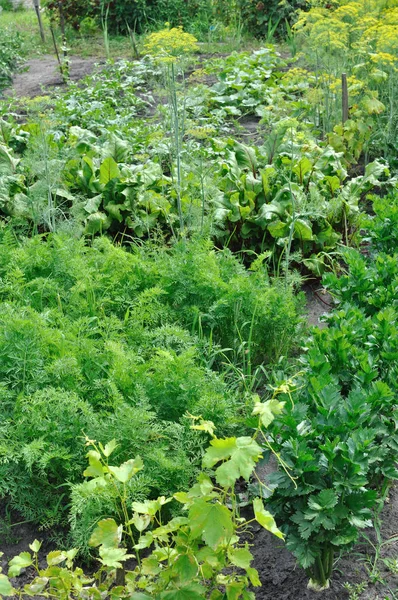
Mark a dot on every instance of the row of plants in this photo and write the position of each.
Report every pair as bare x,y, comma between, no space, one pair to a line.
337,435
202,553
282,198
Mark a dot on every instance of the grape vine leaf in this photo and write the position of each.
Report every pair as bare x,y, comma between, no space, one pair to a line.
185,567
240,456
267,411
23,560
5,586
126,471
240,557
192,592
265,518
211,522
95,468
107,533
113,557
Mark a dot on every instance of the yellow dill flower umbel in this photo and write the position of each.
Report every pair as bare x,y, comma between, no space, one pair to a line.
170,44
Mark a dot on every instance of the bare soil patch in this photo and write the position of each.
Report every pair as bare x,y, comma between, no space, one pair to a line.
318,303
42,74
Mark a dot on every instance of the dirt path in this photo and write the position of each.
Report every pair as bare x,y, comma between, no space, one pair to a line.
42,74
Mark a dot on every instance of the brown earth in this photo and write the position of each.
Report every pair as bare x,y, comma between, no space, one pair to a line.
42,74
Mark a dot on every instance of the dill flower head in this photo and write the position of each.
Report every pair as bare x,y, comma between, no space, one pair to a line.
170,44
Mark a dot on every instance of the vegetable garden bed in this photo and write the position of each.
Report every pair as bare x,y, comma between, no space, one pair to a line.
164,222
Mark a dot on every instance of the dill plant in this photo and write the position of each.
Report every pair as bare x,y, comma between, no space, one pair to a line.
359,38
169,47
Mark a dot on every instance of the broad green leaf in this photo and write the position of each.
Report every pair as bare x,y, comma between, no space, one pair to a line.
172,525
265,518
207,426
240,456
302,230
268,410
204,487
5,586
113,557
22,561
97,223
127,470
245,157
35,546
191,592
234,590
55,557
108,170
140,522
240,557
116,148
64,194
150,507
373,106
151,566
145,541
6,156
109,448
333,183
37,586
303,167
95,468
278,229
253,576
186,568
107,533
216,595
182,497
211,522
92,205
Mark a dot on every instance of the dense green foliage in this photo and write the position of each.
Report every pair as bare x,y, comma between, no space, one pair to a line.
118,344
156,223
292,202
196,15
190,556
338,433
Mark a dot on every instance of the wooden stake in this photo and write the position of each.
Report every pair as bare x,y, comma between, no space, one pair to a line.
344,98
36,4
56,47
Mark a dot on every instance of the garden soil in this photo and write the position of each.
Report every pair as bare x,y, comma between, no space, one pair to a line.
42,74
